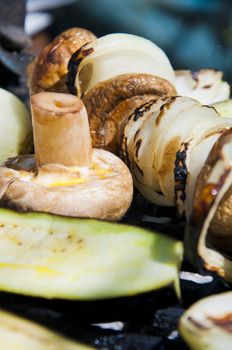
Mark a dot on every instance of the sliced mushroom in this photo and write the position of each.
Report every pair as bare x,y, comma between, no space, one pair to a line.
207,324
208,237
205,85
111,102
66,177
48,71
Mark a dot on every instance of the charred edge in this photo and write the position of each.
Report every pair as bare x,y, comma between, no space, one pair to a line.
164,108
159,193
181,173
136,134
125,153
139,111
73,64
137,147
224,322
207,198
139,169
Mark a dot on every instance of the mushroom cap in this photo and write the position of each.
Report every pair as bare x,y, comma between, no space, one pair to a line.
110,103
103,191
48,71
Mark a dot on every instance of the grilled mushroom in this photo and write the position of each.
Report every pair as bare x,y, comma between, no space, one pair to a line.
111,102
66,177
114,75
207,324
48,71
205,85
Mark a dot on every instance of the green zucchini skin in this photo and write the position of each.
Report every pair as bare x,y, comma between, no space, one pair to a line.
54,257
18,333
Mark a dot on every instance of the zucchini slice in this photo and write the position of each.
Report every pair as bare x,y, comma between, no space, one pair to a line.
207,324
52,256
17,333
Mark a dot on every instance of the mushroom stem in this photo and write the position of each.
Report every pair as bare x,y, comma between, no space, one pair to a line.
61,130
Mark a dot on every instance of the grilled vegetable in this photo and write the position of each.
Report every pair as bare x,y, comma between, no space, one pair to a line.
16,130
57,257
224,108
19,334
114,75
207,324
113,55
48,71
68,177
110,103
165,163
208,237
205,85
164,139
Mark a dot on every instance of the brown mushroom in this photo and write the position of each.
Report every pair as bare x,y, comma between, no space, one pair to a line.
66,176
111,102
49,70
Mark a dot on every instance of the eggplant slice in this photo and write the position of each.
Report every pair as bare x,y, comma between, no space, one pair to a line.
19,334
207,324
51,256
208,234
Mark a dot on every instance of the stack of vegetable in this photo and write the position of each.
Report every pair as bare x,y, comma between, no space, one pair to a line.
177,149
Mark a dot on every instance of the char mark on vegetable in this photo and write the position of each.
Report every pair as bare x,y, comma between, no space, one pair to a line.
139,112
181,173
73,65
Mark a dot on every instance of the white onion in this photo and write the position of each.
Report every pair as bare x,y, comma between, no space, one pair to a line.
206,85
117,54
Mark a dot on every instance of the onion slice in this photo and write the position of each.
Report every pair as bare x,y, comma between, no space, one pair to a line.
117,54
207,324
206,85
